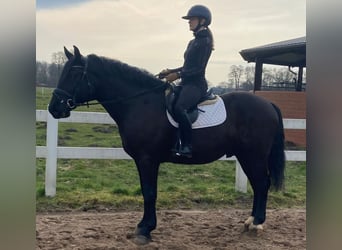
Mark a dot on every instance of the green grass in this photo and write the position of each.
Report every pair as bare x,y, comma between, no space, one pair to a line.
76,134
114,184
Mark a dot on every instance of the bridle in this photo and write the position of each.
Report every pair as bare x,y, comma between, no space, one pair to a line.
68,99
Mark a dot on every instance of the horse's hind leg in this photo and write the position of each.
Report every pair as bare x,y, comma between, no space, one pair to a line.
260,188
257,174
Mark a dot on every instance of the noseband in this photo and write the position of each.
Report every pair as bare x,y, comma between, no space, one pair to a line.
64,98
68,99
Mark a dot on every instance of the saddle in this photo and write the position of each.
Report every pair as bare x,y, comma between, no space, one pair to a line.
171,96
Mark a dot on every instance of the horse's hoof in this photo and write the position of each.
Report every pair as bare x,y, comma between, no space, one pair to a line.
249,221
249,226
141,240
138,239
256,228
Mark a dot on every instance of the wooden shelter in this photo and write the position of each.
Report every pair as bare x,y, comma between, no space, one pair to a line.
291,53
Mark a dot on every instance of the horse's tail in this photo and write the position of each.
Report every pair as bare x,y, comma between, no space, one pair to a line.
276,161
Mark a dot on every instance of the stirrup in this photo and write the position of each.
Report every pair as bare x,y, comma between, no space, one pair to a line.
176,147
185,151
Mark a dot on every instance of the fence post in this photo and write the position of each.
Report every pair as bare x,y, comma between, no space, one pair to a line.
51,157
240,178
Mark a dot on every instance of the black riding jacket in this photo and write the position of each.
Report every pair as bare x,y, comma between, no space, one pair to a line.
196,58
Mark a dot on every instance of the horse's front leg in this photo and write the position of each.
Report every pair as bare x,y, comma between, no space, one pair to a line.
148,173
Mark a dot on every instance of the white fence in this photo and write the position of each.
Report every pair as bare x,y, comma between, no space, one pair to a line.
52,151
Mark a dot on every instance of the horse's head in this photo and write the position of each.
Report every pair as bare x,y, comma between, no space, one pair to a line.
73,87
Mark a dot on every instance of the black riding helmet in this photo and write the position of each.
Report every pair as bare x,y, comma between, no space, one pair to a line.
199,11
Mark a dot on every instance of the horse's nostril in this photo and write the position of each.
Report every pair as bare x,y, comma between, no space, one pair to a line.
55,115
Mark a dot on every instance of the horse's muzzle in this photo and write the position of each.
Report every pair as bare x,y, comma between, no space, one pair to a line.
58,114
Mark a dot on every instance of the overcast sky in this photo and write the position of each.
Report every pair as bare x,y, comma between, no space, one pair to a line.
151,34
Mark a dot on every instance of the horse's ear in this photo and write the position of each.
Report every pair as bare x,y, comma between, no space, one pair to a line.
67,53
77,52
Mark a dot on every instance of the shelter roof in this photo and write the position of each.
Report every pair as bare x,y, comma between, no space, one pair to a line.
288,53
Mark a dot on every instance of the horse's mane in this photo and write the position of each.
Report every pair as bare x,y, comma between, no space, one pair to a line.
131,74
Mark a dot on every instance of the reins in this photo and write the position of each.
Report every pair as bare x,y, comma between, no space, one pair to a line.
70,101
123,99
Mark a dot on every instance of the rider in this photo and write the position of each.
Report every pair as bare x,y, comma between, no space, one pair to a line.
192,74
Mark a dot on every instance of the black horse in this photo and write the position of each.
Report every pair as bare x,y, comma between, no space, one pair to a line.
135,99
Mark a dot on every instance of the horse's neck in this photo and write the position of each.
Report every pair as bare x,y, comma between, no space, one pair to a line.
126,102
115,114
112,100
122,97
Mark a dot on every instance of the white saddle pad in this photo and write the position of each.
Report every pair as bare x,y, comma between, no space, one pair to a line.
213,115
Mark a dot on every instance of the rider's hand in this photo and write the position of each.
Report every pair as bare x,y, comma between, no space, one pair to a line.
171,77
163,73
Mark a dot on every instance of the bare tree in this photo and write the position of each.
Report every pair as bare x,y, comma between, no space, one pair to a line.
41,72
235,74
268,76
240,77
249,74
58,59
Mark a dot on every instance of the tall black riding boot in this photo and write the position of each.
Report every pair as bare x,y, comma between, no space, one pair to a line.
185,135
